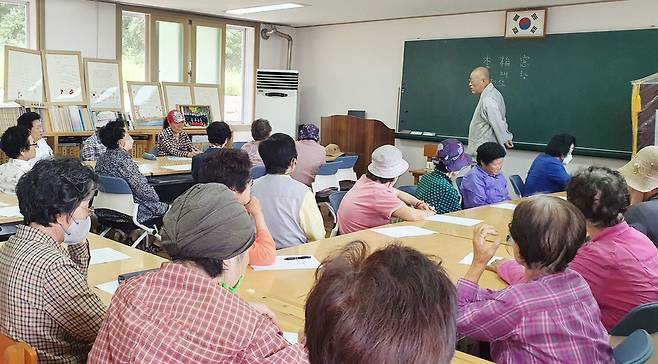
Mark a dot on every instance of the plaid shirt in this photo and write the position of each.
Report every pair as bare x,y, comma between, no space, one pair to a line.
92,148
551,319
168,144
45,299
176,315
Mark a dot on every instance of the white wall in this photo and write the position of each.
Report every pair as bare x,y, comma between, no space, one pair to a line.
358,66
81,25
274,51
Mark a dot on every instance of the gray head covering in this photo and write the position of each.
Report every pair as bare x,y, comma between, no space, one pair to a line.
207,221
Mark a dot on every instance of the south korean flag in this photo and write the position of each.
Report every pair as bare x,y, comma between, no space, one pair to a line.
525,24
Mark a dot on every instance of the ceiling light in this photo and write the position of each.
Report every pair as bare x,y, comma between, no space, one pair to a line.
260,9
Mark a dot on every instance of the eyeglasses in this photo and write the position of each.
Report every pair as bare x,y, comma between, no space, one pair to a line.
33,145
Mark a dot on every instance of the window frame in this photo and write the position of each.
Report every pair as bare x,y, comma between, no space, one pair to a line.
190,21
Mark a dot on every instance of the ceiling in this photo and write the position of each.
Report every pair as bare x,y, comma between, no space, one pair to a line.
318,12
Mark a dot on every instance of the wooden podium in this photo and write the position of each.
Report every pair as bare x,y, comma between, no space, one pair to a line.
356,136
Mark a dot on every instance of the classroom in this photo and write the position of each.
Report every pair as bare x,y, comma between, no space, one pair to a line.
273,181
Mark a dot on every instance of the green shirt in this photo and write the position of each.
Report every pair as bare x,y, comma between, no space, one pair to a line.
436,189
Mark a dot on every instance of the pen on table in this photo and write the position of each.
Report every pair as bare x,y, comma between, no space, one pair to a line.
299,257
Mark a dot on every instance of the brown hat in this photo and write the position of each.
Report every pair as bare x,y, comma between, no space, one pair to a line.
641,173
332,152
207,221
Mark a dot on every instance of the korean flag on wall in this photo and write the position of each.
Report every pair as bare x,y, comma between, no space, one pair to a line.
525,23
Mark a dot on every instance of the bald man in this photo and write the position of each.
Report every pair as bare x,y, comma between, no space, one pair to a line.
488,123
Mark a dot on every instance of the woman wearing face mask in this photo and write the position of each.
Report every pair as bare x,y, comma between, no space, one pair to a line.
188,312
485,184
116,162
547,173
373,200
436,187
46,300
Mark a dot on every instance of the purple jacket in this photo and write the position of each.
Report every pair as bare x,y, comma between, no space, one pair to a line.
479,188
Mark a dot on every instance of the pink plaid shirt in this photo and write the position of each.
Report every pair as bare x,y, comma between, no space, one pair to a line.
551,319
176,315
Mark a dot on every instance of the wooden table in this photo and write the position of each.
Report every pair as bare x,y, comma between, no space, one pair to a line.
157,167
9,200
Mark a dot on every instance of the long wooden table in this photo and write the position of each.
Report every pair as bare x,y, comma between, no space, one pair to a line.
158,166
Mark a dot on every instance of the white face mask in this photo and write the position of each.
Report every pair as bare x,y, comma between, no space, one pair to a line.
567,159
77,231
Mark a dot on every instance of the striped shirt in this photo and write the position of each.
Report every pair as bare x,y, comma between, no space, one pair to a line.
551,319
169,144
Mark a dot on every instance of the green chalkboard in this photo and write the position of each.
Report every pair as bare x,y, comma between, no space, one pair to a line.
572,83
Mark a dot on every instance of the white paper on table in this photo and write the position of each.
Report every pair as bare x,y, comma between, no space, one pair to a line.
105,255
282,264
291,337
505,205
143,168
10,211
403,231
109,287
563,197
179,167
454,220
469,259
174,158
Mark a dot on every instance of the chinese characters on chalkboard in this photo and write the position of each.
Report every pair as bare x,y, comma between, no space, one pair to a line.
502,69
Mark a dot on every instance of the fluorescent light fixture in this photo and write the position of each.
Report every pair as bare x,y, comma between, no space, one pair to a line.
260,9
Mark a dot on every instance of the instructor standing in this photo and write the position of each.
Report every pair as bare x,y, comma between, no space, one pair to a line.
488,123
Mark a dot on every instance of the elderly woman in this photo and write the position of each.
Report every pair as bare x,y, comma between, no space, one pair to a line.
485,184
641,175
547,173
231,168
218,134
18,145
188,312
46,300
310,154
260,130
172,140
436,187
395,296
619,263
552,317
116,162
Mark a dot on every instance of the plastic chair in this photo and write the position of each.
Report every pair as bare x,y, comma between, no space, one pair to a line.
334,203
641,317
636,349
346,170
258,172
411,189
517,184
114,194
238,145
16,352
326,177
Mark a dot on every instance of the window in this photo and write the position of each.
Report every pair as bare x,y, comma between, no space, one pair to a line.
234,71
170,51
133,51
208,54
14,31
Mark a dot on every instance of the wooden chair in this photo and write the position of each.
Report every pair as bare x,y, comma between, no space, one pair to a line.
429,151
16,352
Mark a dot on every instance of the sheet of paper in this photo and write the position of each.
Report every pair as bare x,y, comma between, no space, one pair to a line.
10,211
109,287
105,255
174,158
505,205
454,220
282,264
562,197
179,167
469,259
291,337
403,231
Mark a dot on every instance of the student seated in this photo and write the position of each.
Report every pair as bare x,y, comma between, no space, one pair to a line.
332,151
547,173
260,130
436,187
231,168
187,311
552,317
485,184
46,300
310,154
289,206
18,145
395,296
172,140
116,162
619,263
641,175
92,148
218,133
32,122
373,200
